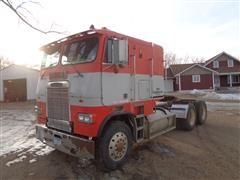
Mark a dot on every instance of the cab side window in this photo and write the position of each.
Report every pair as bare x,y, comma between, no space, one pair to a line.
116,51
108,51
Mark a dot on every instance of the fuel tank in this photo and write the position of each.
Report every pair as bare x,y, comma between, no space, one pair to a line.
160,122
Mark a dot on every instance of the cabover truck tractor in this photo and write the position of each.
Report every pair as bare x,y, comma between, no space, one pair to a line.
101,92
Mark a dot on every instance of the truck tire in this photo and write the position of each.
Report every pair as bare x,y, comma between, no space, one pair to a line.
201,110
115,145
188,123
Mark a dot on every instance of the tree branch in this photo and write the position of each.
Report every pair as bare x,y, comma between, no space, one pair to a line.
23,18
26,2
29,12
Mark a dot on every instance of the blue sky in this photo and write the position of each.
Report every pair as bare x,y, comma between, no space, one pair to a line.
195,28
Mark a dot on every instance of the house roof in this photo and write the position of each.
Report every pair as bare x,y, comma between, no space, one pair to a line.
199,65
177,68
217,56
168,73
223,70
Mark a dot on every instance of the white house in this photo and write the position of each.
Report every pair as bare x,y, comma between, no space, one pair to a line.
18,83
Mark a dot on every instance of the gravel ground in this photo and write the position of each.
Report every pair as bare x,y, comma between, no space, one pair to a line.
211,151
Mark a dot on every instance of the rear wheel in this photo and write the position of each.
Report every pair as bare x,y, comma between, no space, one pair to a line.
188,123
115,145
201,110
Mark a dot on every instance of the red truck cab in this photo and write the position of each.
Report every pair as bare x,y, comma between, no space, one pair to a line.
98,92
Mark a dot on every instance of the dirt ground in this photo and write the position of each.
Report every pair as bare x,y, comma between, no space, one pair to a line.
211,151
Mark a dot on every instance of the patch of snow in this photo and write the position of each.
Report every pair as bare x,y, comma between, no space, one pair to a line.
32,160
197,92
44,151
20,159
17,134
214,95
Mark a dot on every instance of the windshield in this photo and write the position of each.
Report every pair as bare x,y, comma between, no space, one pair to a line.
50,56
80,51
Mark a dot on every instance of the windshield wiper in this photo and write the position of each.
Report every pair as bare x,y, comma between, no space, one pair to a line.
77,71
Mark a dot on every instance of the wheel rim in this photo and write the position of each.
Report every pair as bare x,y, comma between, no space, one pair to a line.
192,117
118,146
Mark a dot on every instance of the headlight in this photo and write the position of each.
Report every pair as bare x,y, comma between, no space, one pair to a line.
85,118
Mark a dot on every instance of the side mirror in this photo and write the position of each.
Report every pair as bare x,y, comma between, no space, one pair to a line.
64,59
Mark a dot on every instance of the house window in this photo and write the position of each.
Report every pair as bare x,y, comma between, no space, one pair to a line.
215,64
235,79
196,78
230,63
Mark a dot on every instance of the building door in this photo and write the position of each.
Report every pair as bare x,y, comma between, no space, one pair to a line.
15,90
216,82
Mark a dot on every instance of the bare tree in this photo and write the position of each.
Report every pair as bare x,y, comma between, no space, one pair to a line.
190,59
4,62
22,11
185,59
169,58
197,60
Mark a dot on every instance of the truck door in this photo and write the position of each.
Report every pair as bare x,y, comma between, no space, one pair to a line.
116,73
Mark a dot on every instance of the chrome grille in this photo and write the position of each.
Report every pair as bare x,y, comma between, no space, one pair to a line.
58,108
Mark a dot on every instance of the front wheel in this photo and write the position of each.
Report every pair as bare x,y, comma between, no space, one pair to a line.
115,145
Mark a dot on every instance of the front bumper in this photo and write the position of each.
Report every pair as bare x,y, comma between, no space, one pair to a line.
67,143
